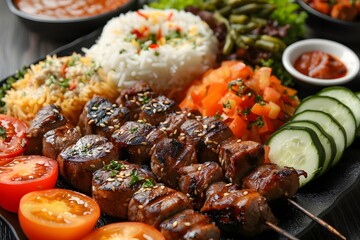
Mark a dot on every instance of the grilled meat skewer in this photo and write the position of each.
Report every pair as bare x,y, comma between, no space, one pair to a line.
55,140
78,161
139,198
48,118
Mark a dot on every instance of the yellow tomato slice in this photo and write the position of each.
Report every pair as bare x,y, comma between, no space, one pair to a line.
125,231
57,214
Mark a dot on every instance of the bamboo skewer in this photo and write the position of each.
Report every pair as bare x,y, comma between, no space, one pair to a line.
318,220
281,231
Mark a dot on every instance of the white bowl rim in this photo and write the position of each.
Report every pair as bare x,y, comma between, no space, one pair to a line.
293,51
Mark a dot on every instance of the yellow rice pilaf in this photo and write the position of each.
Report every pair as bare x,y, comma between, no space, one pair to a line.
68,82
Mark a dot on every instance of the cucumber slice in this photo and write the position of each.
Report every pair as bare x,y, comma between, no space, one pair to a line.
358,129
336,109
326,141
346,97
297,147
330,126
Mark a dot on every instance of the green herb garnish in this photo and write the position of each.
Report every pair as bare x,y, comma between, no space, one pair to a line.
114,165
148,183
134,178
3,133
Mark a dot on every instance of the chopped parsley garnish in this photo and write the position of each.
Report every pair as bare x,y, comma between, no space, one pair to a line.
73,60
227,105
218,116
145,100
134,178
122,51
246,111
114,165
64,83
133,130
148,183
3,133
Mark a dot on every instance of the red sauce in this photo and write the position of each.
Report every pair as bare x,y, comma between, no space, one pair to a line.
68,8
321,65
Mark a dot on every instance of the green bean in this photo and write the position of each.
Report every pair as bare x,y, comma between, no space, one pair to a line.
243,28
239,43
238,18
248,8
229,45
225,11
260,22
237,3
274,40
267,45
266,11
247,40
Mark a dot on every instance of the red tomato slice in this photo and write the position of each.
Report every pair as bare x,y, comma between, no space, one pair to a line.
57,214
25,174
12,136
126,231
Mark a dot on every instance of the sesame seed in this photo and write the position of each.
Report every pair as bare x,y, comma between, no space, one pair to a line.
139,151
162,187
144,143
99,148
154,110
110,179
91,121
187,224
92,165
175,224
108,113
199,168
94,115
226,194
228,185
245,193
107,150
114,105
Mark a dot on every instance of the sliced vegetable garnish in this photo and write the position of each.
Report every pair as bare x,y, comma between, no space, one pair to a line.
57,214
25,174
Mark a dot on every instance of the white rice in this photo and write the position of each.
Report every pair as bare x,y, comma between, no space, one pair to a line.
175,61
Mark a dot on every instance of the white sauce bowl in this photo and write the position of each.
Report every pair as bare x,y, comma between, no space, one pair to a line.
339,51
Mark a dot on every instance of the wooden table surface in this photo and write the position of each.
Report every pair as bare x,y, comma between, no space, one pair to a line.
20,47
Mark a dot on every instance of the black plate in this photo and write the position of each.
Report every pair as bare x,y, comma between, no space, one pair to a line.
319,197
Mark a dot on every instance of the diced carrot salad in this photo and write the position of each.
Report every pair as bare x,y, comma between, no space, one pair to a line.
253,103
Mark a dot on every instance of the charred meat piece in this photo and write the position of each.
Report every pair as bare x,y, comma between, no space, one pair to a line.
135,139
78,161
238,158
134,97
54,141
273,182
242,211
157,109
214,134
156,204
48,118
168,156
196,178
115,184
101,117
206,134
189,225
171,126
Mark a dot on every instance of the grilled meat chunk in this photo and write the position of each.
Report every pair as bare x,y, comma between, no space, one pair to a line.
242,211
189,225
238,158
156,204
114,185
168,156
48,118
134,97
273,182
171,126
156,111
101,117
54,141
78,161
206,134
196,178
214,134
135,139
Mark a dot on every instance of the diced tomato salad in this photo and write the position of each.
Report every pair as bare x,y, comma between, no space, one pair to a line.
253,103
